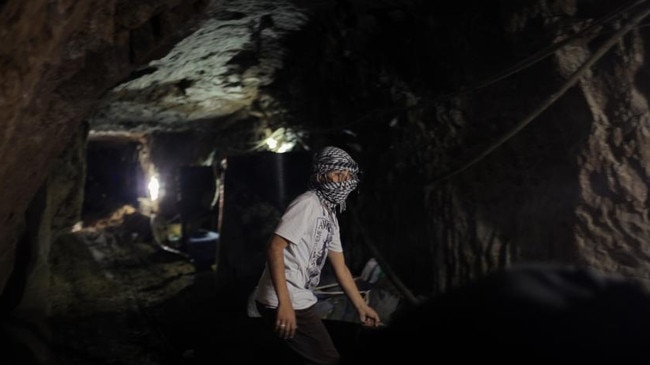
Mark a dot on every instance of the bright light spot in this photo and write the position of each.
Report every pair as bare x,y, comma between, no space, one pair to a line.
154,188
286,146
77,227
271,143
282,140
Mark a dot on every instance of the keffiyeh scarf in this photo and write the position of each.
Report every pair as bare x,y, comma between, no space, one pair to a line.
333,193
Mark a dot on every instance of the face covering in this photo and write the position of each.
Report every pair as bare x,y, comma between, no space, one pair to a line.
333,193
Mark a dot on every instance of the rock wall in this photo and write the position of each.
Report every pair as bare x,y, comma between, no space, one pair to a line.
56,60
572,186
469,168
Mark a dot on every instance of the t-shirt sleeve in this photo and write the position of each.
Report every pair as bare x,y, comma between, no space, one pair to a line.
335,245
295,220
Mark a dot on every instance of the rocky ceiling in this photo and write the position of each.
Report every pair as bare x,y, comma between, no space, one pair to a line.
212,74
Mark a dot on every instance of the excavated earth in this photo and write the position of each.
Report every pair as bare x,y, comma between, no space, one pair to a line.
118,298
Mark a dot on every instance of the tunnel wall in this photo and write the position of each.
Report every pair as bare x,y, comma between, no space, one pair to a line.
422,91
56,61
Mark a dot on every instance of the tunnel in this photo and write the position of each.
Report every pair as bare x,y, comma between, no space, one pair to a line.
149,148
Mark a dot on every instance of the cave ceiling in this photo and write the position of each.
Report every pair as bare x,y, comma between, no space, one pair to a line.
214,74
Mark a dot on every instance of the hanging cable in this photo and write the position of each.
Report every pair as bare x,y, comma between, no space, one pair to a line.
392,276
587,34
573,79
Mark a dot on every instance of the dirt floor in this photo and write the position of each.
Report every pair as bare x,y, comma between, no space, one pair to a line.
118,298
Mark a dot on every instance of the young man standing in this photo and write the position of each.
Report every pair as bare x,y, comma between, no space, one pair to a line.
307,234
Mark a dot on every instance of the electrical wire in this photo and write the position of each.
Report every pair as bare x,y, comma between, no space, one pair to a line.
571,81
588,33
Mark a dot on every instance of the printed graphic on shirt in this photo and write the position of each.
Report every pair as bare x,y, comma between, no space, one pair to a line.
322,239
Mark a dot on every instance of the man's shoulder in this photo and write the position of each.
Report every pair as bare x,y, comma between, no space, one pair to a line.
307,201
308,196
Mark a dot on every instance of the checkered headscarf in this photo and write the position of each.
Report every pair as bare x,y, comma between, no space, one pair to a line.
333,193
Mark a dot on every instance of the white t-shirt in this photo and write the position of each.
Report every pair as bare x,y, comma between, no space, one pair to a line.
312,231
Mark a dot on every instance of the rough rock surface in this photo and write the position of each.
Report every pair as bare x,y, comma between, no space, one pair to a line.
56,61
452,189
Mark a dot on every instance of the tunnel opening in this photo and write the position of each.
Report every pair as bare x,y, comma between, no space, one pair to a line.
114,178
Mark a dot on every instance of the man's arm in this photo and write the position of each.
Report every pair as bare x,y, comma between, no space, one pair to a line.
367,315
285,323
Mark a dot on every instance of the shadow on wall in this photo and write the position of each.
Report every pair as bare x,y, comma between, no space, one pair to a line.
257,188
533,314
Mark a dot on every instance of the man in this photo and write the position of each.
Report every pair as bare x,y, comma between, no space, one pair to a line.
308,233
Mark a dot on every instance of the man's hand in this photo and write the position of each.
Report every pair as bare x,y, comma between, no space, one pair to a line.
285,322
369,318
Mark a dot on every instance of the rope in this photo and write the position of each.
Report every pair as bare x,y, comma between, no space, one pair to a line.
551,99
587,33
392,276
